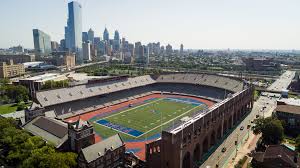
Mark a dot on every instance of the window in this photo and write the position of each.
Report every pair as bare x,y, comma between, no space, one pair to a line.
45,99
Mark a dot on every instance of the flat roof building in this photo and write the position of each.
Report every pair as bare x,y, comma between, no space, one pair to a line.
17,58
11,69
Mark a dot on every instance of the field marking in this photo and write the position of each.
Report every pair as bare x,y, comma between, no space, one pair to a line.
170,120
151,102
183,101
115,129
133,108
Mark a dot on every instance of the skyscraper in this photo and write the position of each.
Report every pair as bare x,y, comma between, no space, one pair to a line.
169,49
85,37
91,35
42,43
86,47
106,35
73,31
181,49
116,43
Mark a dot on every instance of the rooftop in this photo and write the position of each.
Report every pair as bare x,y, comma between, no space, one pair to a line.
51,130
46,77
289,101
288,109
99,149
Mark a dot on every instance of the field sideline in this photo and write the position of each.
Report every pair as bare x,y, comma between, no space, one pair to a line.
145,120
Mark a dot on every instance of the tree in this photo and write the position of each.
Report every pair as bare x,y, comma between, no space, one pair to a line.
270,128
19,149
47,157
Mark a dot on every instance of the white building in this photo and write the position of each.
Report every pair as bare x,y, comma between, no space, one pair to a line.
86,48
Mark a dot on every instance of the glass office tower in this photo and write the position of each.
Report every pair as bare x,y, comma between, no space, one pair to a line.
73,31
42,44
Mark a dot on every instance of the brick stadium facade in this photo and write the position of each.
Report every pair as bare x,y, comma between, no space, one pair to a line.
185,145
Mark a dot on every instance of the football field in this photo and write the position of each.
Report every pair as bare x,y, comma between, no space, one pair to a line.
149,118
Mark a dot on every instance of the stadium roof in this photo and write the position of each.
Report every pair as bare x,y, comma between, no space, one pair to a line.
57,96
217,81
51,130
63,95
99,149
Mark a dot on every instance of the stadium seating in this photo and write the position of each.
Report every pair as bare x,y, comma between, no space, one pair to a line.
83,98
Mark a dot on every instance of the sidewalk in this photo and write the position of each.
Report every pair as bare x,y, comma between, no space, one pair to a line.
246,148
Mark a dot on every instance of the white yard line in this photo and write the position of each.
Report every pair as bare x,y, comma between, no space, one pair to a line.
169,120
142,106
116,130
133,108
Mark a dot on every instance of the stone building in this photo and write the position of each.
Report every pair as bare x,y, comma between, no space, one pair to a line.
11,69
107,153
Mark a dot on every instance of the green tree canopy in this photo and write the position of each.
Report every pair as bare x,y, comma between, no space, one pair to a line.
19,149
270,128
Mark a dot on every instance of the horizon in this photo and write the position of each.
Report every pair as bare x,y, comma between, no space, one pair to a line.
234,25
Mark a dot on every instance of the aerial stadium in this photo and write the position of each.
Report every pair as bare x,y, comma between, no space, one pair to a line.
167,120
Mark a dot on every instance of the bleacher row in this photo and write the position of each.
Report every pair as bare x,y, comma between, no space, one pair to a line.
62,114
58,96
80,99
203,79
68,109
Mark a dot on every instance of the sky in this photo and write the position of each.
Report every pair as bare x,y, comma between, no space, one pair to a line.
197,24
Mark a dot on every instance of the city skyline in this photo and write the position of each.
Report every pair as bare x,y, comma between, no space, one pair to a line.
197,25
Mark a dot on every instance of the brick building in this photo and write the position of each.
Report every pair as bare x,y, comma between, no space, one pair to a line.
276,156
17,58
81,134
107,153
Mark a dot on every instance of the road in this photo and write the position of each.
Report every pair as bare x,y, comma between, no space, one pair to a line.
221,159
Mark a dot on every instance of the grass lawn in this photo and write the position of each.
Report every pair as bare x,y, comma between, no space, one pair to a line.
4,109
146,118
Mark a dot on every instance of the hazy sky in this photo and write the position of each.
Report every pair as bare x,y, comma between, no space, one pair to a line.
198,24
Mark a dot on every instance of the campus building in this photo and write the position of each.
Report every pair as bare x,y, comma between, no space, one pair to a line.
11,69
107,153
17,58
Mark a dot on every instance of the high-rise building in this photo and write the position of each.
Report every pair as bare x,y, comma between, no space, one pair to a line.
86,48
73,31
85,37
116,43
54,46
91,35
169,49
105,35
181,49
62,45
42,43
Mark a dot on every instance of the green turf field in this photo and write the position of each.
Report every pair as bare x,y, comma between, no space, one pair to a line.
148,118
